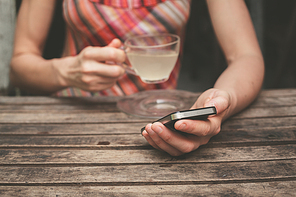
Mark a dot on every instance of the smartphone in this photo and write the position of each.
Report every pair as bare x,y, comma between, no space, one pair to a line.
193,114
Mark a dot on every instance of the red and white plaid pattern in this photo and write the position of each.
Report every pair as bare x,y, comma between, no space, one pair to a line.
97,22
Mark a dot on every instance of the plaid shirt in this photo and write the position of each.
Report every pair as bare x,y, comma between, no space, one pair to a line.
97,22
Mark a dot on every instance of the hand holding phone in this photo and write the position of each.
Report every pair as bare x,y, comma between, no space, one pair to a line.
194,114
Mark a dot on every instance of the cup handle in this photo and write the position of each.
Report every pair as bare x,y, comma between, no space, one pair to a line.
128,69
126,64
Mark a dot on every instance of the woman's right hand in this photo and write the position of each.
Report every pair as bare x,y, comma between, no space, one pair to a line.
93,69
31,73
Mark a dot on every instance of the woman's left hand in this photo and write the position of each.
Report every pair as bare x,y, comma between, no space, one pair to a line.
194,132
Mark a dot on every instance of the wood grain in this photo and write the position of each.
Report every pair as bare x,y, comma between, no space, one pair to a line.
235,138
274,188
231,125
152,174
12,157
104,117
87,147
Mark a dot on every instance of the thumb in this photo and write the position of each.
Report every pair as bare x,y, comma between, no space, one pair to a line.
116,43
221,102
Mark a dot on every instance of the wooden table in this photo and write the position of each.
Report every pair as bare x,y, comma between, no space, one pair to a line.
86,147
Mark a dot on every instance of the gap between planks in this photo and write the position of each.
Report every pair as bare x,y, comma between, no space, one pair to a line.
143,147
161,164
146,183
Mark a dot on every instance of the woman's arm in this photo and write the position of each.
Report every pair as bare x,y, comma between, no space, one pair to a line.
28,69
244,75
235,89
30,72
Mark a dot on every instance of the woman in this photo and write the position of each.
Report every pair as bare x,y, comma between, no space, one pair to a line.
95,31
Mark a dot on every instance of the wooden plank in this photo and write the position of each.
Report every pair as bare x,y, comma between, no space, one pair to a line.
43,100
232,125
99,117
266,112
74,141
200,173
248,137
111,106
267,97
274,101
231,138
260,123
275,188
40,103
39,100
105,117
70,129
117,136
61,109
10,157
278,92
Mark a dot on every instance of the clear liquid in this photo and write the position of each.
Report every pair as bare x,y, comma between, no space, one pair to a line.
155,67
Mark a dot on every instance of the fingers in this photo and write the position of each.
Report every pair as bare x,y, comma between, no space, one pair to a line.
103,54
92,60
116,43
200,128
101,69
220,100
171,142
149,139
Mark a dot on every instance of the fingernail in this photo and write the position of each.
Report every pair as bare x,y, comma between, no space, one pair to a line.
150,132
182,126
207,100
144,133
210,104
157,130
